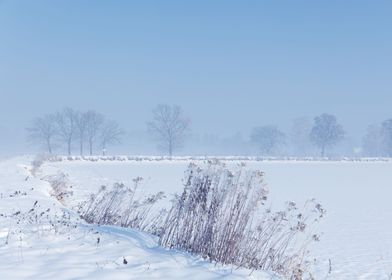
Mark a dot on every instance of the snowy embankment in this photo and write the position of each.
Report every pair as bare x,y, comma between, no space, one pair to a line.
41,238
357,231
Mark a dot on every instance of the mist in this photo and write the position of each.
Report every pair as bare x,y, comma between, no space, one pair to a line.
201,139
229,67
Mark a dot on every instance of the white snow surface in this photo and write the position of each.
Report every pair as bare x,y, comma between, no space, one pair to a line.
44,248
356,232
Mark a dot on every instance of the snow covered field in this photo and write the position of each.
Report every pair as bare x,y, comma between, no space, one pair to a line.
357,232
57,245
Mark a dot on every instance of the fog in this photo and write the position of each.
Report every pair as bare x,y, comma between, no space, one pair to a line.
231,66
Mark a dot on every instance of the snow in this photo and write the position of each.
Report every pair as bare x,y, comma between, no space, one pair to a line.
357,232
71,249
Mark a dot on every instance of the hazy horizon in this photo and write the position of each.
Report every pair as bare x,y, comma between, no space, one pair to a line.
230,66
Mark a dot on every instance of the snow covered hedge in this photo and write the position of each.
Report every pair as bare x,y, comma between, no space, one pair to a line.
123,158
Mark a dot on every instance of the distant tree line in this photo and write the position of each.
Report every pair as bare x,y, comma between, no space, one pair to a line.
324,133
69,127
169,127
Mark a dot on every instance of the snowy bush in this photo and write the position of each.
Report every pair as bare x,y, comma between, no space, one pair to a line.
119,206
222,216
61,188
38,161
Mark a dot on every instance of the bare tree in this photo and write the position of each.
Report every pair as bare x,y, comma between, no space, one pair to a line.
110,134
66,123
95,121
373,143
81,127
299,136
44,130
386,132
268,138
326,132
169,126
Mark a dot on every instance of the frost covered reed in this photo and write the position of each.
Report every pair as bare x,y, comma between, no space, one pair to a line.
222,216
119,206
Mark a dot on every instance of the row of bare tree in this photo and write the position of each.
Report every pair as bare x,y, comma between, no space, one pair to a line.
169,127
69,126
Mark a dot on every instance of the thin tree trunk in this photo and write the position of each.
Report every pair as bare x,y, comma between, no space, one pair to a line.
81,147
170,149
103,148
69,146
49,146
91,147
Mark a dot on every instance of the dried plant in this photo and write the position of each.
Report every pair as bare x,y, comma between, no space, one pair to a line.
222,216
61,187
119,206
38,220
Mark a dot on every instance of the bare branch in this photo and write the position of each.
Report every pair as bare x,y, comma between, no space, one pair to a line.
111,134
94,121
66,125
43,130
170,127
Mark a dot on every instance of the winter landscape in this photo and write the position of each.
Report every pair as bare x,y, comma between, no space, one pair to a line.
195,140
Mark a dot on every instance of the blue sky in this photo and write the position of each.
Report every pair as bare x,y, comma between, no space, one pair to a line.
232,65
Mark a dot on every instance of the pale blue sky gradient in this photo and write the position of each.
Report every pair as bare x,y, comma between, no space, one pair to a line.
232,65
